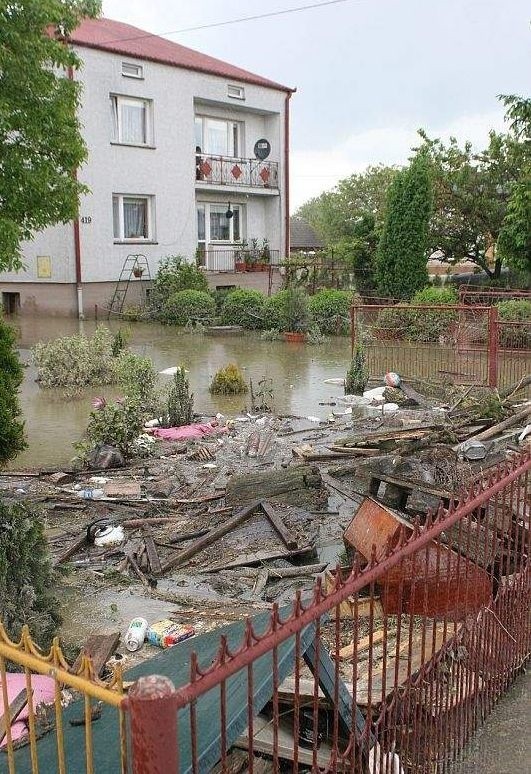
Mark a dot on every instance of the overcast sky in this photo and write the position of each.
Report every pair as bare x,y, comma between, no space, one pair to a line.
368,73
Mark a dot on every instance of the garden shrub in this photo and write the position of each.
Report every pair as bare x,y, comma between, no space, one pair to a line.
245,308
436,295
136,377
75,362
180,400
11,428
117,423
228,381
220,295
186,305
330,311
512,334
295,310
174,274
27,580
357,375
274,311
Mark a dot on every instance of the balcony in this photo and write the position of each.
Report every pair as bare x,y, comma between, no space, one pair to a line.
237,259
230,171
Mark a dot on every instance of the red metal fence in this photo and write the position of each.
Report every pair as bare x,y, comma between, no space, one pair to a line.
461,343
388,667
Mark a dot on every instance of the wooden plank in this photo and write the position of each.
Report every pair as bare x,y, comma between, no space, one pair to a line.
207,540
288,538
364,644
121,489
151,550
100,648
411,484
72,549
13,711
257,557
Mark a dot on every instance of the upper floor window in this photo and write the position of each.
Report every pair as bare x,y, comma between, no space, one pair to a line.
131,120
236,92
218,137
130,70
132,218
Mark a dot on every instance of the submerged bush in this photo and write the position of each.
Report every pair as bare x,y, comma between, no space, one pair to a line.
228,381
330,311
189,305
174,274
117,423
136,377
27,580
75,362
245,308
274,311
357,375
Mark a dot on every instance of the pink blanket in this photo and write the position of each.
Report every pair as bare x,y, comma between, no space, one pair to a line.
43,693
187,431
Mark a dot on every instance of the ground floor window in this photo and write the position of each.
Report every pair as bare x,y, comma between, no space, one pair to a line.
133,217
219,223
11,303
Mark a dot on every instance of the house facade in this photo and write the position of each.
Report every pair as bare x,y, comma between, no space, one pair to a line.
188,156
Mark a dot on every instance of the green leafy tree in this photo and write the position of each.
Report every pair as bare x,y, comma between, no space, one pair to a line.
514,241
11,426
39,130
358,253
336,214
402,252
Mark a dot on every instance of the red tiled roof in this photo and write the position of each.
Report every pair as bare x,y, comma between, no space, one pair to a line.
119,38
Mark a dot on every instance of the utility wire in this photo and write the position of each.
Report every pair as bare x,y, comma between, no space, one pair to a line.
231,21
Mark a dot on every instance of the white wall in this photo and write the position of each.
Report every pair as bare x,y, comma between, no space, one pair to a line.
166,171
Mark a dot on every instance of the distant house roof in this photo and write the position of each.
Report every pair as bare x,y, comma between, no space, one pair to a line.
119,38
302,235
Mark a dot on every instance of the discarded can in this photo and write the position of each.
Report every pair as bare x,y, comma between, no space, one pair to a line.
474,450
136,634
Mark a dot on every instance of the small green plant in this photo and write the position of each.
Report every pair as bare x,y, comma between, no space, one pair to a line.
436,295
228,381
330,311
117,423
315,336
27,580
296,313
120,341
180,400
358,374
188,306
245,308
272,335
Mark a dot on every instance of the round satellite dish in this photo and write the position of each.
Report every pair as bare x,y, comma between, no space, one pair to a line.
262,149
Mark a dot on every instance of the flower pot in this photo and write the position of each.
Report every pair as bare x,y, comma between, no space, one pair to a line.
295,337
138,273
239,266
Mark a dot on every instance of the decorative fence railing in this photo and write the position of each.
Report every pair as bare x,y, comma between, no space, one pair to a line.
238,259
223,170
465,344
387,667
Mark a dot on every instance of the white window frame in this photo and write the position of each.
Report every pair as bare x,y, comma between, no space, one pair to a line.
235,92
230,125
206,206
118,199
136,71
117,100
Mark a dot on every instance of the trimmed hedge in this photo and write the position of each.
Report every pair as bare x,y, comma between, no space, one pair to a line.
189,306
327,306
245,308
274,311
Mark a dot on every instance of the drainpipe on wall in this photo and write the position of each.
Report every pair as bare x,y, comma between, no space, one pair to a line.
286,174
77,245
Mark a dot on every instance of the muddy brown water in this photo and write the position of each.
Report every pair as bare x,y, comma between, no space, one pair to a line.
298,372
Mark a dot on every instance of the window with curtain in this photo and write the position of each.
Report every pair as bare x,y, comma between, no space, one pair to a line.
221,228
132,217
218,137
131,120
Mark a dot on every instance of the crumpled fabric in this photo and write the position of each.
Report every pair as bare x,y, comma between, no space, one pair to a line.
187,431
43,693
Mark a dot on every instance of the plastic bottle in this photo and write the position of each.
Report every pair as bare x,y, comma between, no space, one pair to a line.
136,634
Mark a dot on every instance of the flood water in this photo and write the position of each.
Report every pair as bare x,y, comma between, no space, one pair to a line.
298,372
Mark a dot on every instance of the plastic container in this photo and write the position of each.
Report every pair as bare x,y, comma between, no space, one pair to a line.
166,633
91,494
136,634
110,535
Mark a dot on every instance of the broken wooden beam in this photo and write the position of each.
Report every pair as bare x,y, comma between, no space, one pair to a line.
151,550
213,535
11,713
72,549
287,537
99,648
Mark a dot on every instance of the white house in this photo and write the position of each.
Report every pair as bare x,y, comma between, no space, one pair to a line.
176,165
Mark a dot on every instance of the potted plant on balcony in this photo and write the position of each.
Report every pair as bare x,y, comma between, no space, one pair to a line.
295,315
138,271
239,256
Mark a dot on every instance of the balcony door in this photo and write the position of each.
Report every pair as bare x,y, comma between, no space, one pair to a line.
217,234
218,137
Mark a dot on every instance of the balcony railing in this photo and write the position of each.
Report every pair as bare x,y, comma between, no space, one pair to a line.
236,259
224,170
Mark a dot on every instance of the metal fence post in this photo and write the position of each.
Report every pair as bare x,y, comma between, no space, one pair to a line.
493,346
153,711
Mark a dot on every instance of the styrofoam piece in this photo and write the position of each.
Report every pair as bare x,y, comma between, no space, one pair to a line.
335,380
375,393
389,408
